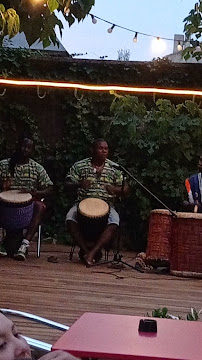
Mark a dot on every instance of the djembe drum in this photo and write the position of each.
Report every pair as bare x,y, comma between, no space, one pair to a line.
186,245
16,209
93,215
158,242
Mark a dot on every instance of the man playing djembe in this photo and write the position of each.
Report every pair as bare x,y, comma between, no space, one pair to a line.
22,173
95,177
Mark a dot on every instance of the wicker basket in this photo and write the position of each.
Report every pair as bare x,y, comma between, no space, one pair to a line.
186,245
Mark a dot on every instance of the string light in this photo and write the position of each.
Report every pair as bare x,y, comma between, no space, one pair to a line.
127,29
94,20
111,29
135,37
179,46
88,87
158,45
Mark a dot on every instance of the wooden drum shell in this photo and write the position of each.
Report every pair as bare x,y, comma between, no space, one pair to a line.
92,223
186,245
159,235
17,214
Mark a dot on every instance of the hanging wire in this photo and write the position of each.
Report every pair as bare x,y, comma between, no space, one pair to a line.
131,30
38,93
3,93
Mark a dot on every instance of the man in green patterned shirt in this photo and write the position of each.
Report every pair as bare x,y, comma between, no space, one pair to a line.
95,177
20,172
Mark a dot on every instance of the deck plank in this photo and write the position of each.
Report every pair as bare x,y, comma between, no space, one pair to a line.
65,290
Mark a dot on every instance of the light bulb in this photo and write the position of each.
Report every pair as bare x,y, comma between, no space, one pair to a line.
94,20
110,29
135,38
158,45
179,46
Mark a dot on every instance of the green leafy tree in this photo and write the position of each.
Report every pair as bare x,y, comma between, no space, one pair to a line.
193,32
37,18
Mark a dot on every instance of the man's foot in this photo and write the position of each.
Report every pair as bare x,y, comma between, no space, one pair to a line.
3,251
88,261
22,251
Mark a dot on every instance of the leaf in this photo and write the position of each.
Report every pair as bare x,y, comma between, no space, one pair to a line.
2,22
70,19
52,5
13,22
2,8
46,42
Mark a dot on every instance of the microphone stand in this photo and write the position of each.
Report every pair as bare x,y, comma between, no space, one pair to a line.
118,257
117,260
145,188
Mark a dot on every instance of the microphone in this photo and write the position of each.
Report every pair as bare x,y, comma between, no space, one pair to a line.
116,166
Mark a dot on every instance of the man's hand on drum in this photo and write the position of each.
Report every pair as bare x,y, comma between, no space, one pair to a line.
112,190
35,194
6,184
85,184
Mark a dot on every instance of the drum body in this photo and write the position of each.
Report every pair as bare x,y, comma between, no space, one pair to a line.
93,216
186,254
16,209
158,242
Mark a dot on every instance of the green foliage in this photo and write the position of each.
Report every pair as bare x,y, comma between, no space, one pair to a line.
193,315
15,119
161,313
37,19
193,31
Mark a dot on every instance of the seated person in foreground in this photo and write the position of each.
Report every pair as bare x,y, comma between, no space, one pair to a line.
95,177
20,172
194,191
14,347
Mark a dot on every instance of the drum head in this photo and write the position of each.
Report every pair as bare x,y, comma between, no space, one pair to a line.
186,215
160,211
15,197
93,207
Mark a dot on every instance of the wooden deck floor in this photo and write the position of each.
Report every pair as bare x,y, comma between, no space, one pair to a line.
63,291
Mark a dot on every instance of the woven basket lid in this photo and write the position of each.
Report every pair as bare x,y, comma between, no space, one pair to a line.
187,215
15,196
93,207
161,211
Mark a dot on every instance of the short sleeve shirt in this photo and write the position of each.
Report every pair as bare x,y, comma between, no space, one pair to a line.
30,176
83,170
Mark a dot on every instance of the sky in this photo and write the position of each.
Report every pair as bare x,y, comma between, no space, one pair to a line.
161,18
